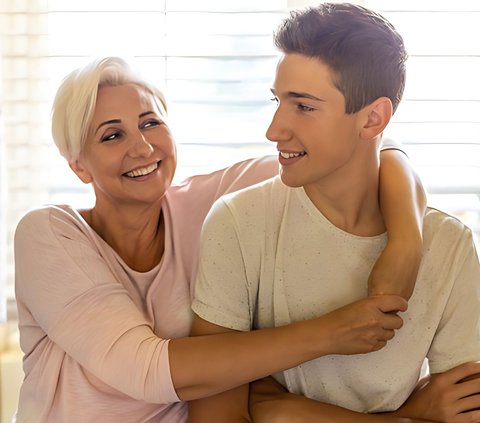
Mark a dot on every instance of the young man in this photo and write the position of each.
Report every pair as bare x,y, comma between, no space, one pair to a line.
302,244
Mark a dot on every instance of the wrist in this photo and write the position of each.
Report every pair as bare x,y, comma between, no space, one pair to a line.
314,337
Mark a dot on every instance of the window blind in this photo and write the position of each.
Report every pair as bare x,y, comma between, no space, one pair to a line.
215,61
439,117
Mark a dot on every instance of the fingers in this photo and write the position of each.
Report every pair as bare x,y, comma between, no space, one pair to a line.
388,303
388,335
468,394
462,373
379,339
391,321
468,417
471,403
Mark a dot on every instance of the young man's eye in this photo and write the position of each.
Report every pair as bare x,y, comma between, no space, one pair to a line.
274,99
304,108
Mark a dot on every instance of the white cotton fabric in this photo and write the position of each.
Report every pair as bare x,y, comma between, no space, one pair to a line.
268,257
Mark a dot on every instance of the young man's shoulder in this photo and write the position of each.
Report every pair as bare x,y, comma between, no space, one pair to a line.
443,229
250,209
437,218
261,192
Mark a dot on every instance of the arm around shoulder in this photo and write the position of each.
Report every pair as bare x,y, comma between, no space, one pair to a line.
403,203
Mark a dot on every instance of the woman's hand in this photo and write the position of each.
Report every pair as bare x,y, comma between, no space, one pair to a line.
452,396
363,326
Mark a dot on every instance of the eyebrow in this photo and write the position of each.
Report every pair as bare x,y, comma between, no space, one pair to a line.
108,122
294,94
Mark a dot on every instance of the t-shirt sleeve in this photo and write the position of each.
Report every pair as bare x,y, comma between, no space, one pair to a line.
457,339
222,292
69,289
391,144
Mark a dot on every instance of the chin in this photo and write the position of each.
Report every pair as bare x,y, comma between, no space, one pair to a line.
290,180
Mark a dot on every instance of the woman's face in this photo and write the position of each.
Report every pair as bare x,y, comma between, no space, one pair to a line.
129,155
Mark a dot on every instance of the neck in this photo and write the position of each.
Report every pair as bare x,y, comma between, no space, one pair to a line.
136,233
349,197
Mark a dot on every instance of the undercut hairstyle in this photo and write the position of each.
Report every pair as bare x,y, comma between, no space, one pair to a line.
362,49
74,103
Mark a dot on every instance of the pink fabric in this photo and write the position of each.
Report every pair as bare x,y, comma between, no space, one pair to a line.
94,332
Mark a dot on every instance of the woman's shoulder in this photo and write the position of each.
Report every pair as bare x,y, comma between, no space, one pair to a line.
50,219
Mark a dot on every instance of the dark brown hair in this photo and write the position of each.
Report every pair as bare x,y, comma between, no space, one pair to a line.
364,51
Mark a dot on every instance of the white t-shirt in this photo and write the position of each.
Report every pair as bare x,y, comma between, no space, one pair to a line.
268,257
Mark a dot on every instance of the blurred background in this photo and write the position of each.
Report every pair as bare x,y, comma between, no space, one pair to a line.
215,60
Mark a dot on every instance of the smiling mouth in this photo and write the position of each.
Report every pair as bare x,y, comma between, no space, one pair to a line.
287,155
142,171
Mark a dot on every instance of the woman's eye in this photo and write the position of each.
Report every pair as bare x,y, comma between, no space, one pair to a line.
111,137
151,123
274,99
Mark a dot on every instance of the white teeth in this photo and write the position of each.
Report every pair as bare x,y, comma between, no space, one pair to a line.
286,155
143,171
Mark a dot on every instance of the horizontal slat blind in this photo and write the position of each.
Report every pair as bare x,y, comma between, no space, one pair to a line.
214,59
439,118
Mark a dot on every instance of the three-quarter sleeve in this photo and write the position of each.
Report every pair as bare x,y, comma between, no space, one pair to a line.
66,286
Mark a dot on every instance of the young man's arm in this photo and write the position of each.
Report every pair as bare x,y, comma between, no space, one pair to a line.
450,397
403,203
270,403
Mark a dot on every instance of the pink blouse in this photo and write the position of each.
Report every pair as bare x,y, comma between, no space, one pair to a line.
94,332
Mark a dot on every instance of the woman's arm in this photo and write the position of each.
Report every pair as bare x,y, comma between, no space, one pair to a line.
202,366
403,203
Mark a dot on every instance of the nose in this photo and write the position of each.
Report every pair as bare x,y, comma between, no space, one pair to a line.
140,146
278,131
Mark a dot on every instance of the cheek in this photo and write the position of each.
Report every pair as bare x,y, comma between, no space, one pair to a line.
167,143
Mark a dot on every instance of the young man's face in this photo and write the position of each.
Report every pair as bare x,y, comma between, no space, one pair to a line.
315,138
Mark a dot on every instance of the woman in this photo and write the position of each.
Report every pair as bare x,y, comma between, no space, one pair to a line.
104,294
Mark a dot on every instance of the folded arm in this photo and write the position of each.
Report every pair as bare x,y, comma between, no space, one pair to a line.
449,397
270,403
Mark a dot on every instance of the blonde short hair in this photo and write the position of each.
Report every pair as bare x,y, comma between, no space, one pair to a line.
75,100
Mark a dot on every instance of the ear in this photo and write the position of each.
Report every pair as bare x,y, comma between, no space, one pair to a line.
377,117
81,171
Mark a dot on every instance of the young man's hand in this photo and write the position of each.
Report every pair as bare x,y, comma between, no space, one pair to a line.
451,397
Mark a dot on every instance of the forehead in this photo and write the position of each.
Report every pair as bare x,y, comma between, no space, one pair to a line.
122,99
299,73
